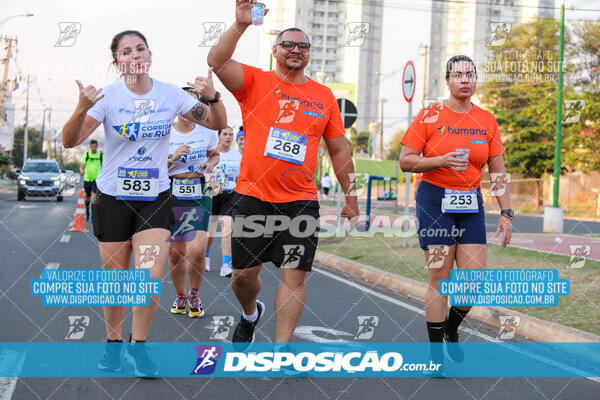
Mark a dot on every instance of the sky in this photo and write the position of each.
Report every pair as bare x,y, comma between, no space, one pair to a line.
174,31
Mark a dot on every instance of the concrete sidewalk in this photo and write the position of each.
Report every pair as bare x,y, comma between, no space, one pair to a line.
6,185
554,243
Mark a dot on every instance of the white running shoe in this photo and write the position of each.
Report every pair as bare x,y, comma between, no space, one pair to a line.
207,263
226,270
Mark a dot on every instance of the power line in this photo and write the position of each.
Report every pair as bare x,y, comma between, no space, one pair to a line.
473,2
482,11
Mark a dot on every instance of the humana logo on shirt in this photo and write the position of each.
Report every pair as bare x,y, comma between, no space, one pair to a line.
461,131
302,102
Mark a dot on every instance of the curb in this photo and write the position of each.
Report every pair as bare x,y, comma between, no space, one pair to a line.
530,327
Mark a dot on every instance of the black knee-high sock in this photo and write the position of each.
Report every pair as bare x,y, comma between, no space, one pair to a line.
435,330
455,317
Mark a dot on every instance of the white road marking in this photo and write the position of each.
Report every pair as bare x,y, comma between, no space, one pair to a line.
51,266
421,311
308,333
12,361
65,238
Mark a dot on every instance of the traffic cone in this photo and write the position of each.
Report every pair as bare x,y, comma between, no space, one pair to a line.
79,221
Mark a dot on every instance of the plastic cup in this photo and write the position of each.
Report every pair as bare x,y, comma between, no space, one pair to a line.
258,13
463,157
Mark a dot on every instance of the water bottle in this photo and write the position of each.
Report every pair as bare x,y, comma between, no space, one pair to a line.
258,13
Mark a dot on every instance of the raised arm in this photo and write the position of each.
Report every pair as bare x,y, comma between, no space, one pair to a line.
213,116
229,71
80,126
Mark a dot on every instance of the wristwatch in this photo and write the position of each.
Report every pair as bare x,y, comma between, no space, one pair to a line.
216,99
508,212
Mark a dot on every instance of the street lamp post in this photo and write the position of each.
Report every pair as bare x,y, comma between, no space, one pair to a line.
554,216
26,127
383,101
7,59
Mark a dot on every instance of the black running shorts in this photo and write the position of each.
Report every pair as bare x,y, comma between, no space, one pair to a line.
90,187
222,204
282,233
118,220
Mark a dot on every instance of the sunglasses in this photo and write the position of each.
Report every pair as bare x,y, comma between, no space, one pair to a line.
289,45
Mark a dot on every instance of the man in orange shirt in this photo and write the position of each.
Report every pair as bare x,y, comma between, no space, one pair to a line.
284,114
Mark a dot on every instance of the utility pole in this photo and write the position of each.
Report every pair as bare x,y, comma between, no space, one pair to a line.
383,101
49,130
554,216
26,127
43,128
559,109
5,64
424,74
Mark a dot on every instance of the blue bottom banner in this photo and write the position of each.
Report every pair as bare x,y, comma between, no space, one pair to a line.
317,360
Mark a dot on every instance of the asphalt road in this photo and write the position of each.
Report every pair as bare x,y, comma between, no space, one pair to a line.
34,235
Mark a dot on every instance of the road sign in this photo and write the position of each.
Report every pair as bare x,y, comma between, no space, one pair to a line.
408,81
348,110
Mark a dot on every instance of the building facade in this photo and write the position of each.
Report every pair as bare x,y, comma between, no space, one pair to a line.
346,45
468,28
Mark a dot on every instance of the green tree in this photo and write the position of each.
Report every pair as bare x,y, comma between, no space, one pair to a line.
586,49
523,97
5,161
395,145
358,141
582,144
34,145
72,165
362,141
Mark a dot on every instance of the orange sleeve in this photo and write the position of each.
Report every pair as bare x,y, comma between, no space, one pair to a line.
335,125
249,75
495,141
416,134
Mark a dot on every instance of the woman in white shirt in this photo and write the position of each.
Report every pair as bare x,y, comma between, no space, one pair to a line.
132,209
